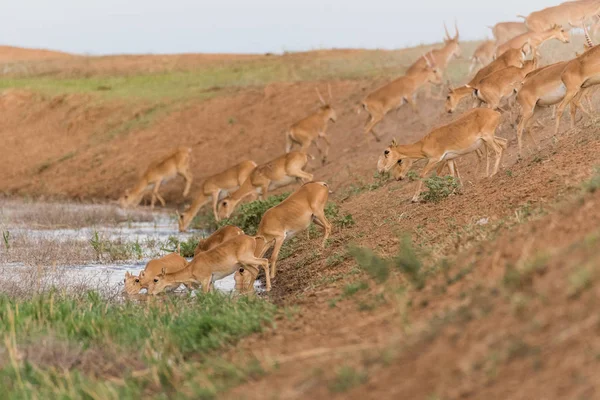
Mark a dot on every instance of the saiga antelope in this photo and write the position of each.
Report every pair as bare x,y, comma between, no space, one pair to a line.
469,132
212,187
291,216
310,129
171,262
174,262
502,83
568,14
177,163
543,88
580,73
213,265
534,40
510,58
439,57
504,31
276,173
483,55
219,236
395,94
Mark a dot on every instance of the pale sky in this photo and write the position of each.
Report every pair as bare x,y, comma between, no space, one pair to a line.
245,26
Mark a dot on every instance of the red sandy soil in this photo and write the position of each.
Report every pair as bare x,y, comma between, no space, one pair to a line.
469,333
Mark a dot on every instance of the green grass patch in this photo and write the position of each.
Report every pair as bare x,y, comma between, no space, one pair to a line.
593,184
248,216
407,262
159,349
347,378
208,80
439,187
115,250
353,288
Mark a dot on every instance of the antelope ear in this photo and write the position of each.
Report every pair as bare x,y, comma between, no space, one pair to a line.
163,271
394,142
127,274
142,274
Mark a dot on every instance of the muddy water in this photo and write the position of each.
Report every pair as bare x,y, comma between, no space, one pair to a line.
150,235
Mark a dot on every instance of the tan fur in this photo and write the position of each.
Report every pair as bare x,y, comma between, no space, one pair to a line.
580,73
502,83
534,40
171,262
213,265
439,57
542,88
275,173
244,281
177,163
395,94
221,235
212,187
510,58
291,216
567,15
483,54
309,129
504,31
469,132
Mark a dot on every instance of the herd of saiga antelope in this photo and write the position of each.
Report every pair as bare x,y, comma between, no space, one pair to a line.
505,76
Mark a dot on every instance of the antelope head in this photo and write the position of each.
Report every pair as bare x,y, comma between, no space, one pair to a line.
453,40
132,284
435,74
326,108
392,158
559,33
244,280
159,283
225,208
182,220
452,100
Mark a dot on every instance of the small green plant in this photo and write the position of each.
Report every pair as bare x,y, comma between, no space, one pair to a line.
579,281
408,262
249,215
509,173
335,259
186,248
6,237
44,166
231,120
353,288
439,187
332,212
115,250
519,278
347,378
375,266
593,184
412,175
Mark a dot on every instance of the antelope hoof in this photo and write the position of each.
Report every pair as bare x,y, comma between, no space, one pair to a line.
415,199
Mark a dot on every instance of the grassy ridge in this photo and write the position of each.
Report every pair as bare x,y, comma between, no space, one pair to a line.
206,81
84,347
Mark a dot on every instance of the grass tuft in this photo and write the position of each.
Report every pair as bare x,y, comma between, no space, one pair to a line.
439,187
